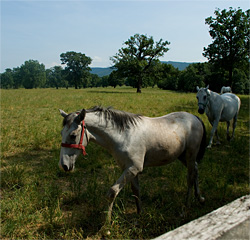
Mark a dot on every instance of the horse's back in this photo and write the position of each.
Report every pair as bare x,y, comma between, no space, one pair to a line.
231,99
231,106
181,121
170,136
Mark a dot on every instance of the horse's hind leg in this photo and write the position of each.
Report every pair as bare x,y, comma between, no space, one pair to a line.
217,136
193,181
190,178
136,191
196,185
234,124
228,125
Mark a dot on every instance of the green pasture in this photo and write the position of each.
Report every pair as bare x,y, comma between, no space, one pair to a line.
39,201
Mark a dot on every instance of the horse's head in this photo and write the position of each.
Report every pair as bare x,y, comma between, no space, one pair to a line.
74,139
202,96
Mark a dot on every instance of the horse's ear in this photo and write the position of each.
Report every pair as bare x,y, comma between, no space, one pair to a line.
82,115
197,88
64,114
207,87
208,92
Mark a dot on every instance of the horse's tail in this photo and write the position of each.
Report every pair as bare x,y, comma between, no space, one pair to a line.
203,144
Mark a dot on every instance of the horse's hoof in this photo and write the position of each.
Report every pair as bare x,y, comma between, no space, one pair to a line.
111,194
218,143
209,146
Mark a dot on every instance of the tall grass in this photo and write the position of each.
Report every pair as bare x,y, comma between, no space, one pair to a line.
41,202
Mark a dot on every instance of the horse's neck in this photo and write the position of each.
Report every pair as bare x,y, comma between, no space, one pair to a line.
212,102
100,130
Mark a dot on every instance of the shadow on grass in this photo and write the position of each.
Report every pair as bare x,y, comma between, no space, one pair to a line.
112,92
54,204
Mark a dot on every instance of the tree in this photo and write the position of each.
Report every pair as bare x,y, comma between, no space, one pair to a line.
230,33
114,79
17,77
55,77
105,81
76,69
33,74
168,77
241,82
192,76
135,61
7,79
95,81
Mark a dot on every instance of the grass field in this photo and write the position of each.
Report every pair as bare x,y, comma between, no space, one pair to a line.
38,201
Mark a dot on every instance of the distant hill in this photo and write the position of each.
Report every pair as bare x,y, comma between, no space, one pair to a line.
180,65
101,71
106,71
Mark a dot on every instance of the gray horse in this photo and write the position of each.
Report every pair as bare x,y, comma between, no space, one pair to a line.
218,108
135,142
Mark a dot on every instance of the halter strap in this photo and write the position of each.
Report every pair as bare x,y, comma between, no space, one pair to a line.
80,145
203,104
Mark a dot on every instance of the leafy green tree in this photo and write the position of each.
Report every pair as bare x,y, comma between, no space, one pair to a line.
168,77
241,82
230,33
17,78
77,68
95,81
33,74
105,81
214,76
115,79
7,80
135,61
192,76
55,77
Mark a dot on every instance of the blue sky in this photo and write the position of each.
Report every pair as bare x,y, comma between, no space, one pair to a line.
42,30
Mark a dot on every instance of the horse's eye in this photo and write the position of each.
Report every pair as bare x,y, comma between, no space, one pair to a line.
205,97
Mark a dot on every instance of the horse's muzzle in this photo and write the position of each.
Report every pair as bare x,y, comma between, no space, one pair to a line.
66,168
201,110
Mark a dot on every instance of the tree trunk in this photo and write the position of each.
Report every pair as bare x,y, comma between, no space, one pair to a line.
139,84
231,77
138,89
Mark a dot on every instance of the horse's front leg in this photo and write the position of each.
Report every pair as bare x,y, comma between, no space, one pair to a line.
136,191
214,129
127,176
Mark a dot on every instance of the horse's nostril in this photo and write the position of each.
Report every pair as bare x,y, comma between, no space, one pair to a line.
200,110
65,168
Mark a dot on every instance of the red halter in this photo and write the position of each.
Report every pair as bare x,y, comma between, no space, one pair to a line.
77,146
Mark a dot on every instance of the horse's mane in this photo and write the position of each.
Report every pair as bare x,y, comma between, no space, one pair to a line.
119,119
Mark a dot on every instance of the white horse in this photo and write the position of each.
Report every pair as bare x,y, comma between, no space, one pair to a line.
135,142
218,108
225,90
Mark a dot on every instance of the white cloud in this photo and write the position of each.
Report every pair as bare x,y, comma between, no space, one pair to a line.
97,59
99,62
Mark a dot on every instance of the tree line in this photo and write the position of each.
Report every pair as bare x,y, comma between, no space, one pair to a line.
137,64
